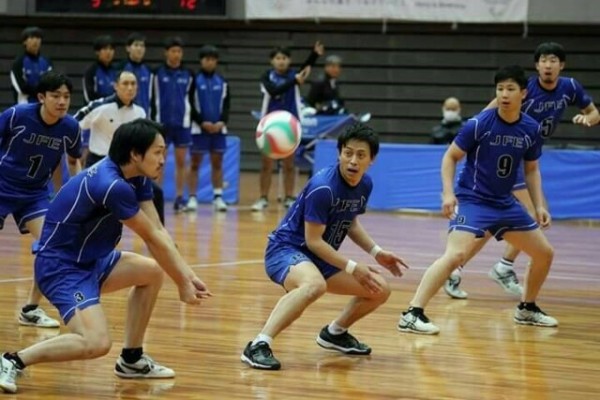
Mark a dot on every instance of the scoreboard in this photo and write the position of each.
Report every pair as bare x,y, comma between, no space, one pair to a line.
134,7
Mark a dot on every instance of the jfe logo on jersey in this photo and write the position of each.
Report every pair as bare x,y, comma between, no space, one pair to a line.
552,105
43,140
508,140
353,205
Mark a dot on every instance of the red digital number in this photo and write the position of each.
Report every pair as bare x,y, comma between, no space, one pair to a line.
96,3
188,4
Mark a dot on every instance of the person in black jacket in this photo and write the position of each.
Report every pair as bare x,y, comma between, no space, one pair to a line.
446,130
324,93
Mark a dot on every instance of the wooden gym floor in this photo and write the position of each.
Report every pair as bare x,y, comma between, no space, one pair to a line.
479,354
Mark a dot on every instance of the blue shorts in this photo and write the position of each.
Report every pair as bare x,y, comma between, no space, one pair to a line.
520,182
180,137
209,143
85,138
70,286
478,218
279,258
23,210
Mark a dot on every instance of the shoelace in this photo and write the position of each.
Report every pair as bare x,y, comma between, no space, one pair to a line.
509,277
264,349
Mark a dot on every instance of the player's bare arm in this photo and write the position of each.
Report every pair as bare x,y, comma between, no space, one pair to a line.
452,156
191,289
313,233
534,185
589,116
385,258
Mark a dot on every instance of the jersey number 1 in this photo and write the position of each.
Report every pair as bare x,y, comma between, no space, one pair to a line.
35,161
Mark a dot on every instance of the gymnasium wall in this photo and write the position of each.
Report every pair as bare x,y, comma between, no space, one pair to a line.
401,76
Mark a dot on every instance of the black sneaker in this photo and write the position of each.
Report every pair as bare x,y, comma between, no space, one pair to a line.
345,343
260,356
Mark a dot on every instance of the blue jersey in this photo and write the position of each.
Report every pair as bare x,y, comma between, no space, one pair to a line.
30,150
495,150
211,98
280,92
25,76
98,81
172,91
327,199
83,222
548,106
144,79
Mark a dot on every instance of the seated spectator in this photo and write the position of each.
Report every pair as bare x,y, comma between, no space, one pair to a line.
447,129
324,93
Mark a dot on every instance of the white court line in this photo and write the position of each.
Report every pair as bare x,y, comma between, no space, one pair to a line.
261,261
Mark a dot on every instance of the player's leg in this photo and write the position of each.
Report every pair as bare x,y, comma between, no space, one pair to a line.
335,335
535,244
218,147
88,338
452,284
266,172
31,314
289,180
197,151
180,172
460,243
145,278
304,283
503,272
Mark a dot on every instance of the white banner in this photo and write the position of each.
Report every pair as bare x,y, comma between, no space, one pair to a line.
404,10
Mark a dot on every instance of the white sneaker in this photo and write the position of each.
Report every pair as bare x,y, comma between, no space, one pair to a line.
8,375
260,204
534,317
37,318
145,368
415,321
452,289
507,280
219,204
192,204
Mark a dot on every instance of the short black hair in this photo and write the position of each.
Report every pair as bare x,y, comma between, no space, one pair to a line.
137,136
208,50
280,49
548,48
173,41
513,72
103,41
51,81
135,37
361,132
31,31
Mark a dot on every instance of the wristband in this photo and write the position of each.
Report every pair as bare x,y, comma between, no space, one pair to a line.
350,266
375,250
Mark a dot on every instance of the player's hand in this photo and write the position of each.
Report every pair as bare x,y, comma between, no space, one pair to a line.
543,217
319,48
449,204
218,126
391,262
193,291
365,275
302,75
581,119
207,126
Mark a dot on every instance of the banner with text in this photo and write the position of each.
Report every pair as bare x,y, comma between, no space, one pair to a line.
474,11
